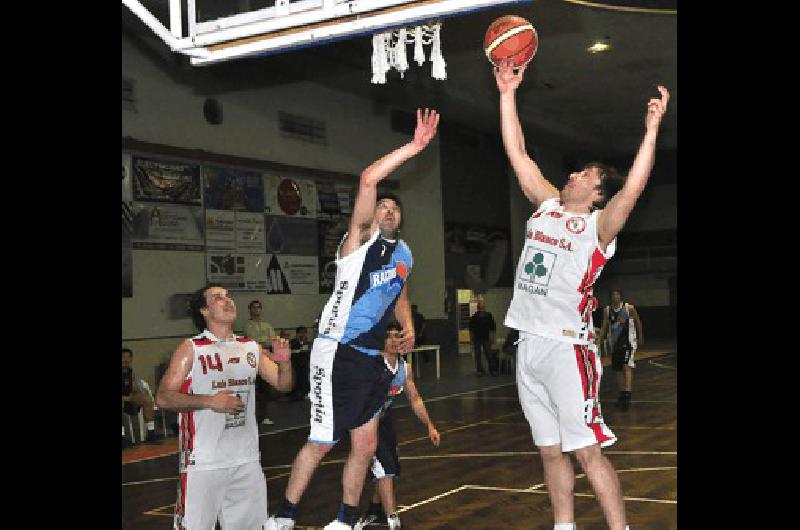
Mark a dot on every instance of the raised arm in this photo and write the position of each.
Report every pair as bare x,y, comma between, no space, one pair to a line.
535,187
612,218
418,406
364,206
402,312
170,397
276,369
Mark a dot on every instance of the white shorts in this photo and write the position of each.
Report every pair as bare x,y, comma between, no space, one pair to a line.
237,496
558,384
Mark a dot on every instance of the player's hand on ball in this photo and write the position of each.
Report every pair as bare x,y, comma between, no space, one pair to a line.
508,78
226,401
281,351
656,108
434,436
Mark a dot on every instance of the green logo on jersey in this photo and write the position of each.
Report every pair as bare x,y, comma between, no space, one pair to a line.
538,266
535,266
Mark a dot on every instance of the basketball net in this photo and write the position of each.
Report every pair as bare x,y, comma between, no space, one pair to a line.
389,51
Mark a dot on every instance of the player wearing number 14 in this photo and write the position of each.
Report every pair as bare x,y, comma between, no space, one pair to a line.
211,383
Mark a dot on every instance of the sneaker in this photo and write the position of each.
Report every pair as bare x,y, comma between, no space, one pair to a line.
279,523
267,421
153,436
337,525
393,521
367,520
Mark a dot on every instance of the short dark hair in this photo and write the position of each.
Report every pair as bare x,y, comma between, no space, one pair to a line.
615,290
610,182
198,302
250,305
128,350
298,329
396,199
393,326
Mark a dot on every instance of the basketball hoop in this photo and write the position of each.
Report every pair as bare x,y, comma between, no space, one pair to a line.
389,51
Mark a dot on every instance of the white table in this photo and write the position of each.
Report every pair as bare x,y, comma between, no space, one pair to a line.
415,364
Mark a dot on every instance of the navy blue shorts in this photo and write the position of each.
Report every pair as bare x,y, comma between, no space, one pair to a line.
386,462
348,388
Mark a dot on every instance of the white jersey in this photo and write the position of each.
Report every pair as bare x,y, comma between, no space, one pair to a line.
559,264
213,440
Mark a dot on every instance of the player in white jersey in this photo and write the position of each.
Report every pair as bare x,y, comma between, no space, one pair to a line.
210,381
348,378
567,242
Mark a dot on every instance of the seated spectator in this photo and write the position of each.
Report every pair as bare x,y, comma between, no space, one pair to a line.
301,358
135,398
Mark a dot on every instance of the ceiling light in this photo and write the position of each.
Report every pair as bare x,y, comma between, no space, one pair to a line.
598,47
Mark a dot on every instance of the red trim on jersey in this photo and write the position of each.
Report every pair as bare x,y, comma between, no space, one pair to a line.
588,302
587,367
202,342
187,425
244,339
180,507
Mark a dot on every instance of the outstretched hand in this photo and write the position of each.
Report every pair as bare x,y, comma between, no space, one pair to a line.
656,108
508,77
426,128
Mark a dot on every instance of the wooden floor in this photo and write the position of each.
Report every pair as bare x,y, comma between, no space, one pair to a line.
486,474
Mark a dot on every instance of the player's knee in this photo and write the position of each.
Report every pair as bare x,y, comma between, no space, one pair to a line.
318,451
586,456
551,453
364,446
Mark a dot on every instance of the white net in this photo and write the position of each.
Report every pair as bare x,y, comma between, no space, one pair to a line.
389,51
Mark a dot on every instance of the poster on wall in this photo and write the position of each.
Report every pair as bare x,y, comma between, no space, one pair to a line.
237,272
330,234
292,197
285,235
126,178
157,180
335,199
241,232
158,226
292,274
232,189
127,228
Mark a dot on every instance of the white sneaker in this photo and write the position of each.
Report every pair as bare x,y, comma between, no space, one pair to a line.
337,525
393,521
267,421
279,523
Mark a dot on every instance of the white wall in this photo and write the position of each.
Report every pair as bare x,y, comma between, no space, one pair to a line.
171,114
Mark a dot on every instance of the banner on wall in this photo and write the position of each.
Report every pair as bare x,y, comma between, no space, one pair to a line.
126,178
286,235
232,189
165,181
240,232
330,234
335,199
292,274
127,228
167,226
237,272
292,197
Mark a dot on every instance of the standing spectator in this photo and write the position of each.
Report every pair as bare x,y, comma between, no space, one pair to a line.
481,334
301,356
262,332
621,342
257,329
134,398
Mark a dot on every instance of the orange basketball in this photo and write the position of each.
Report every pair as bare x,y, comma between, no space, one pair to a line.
511,37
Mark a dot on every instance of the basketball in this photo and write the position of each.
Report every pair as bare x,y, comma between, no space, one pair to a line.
510,37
